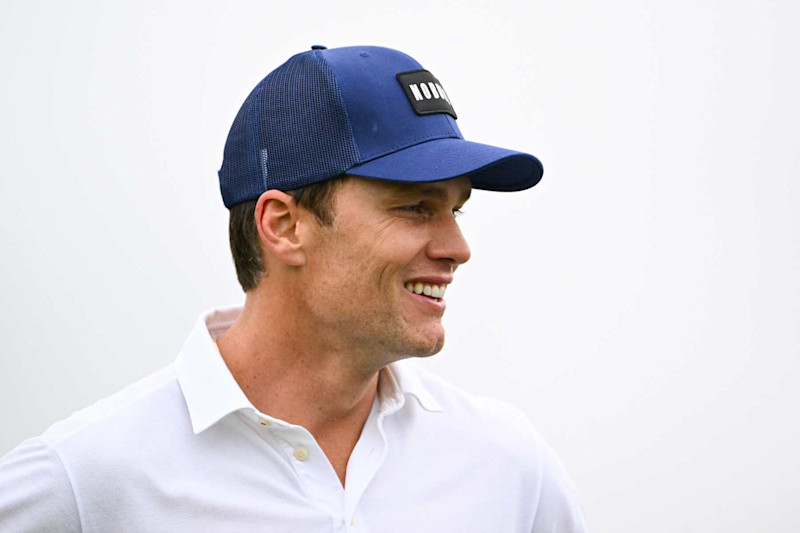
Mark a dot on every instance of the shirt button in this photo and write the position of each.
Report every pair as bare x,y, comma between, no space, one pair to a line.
300,453
263,422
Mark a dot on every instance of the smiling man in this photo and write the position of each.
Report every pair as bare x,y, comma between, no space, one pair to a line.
344,172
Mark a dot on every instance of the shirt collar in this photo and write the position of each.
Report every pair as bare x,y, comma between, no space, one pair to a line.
401,378
209,388
211,392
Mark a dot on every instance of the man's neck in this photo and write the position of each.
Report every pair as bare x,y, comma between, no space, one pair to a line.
286,373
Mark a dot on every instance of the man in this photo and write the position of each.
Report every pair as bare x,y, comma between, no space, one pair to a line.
344,171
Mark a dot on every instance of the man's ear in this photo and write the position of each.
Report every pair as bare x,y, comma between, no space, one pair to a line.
277,217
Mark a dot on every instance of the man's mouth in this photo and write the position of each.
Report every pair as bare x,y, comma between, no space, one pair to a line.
426,289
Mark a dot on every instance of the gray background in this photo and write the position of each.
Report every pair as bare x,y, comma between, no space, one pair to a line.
642,304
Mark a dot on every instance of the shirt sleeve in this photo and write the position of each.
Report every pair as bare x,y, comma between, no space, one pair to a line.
35,491
559,508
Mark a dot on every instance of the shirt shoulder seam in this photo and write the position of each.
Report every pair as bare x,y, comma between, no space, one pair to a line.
53,439
75,495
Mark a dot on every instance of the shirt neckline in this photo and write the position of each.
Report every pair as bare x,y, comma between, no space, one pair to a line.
211,392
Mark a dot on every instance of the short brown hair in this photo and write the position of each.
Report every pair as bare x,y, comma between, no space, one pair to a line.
243,234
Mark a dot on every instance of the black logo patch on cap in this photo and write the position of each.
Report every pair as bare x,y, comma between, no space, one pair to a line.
425,93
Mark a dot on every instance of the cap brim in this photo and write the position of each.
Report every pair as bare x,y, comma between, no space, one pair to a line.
488,167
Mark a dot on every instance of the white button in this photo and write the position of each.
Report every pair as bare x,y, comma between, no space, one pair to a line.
300,453
263,422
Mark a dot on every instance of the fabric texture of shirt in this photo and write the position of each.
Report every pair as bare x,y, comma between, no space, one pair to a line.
185,450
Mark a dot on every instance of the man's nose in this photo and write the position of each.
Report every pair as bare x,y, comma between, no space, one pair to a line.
447,243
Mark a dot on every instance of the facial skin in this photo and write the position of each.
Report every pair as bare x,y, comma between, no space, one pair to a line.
333,308
384,237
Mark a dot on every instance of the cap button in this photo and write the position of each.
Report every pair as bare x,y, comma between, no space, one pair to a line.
318,47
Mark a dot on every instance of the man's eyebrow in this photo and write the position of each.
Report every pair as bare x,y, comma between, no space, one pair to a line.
432,190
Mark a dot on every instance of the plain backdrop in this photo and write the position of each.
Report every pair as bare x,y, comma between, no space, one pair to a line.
641,304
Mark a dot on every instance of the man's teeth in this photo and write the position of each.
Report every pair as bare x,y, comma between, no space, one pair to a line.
434,291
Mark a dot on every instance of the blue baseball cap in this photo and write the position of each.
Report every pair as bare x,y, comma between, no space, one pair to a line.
363,111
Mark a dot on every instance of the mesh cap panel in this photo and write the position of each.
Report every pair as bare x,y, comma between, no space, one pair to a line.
291,121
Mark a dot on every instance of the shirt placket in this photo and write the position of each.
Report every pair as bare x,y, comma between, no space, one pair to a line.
365,461
312,468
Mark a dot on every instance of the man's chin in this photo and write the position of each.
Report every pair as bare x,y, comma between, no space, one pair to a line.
419,340
429,346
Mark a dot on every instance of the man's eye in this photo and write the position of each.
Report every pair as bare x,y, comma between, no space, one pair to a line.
415,208
457,212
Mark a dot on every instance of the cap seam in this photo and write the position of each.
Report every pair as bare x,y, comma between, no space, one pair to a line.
414,142
450,125
317,54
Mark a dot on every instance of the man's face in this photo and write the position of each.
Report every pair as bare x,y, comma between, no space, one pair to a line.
388,242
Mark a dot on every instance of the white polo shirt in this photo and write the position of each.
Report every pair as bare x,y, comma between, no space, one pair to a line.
184,450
